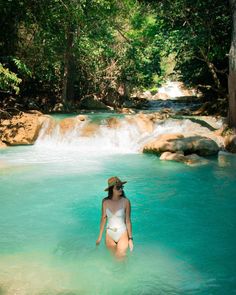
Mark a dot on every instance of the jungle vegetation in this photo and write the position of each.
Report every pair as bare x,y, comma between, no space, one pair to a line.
59,51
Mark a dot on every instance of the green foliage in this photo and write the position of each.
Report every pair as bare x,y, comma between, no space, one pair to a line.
199,34
101,44
9,81
22,68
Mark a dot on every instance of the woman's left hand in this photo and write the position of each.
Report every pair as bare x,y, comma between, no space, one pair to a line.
131,245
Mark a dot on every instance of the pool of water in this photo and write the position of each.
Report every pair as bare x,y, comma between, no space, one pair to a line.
183,220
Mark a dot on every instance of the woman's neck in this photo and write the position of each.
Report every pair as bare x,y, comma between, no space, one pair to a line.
116,198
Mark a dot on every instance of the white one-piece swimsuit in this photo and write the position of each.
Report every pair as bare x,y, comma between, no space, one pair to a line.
116,223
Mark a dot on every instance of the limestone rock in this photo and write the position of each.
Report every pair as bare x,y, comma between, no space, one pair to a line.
89,129
203,146
2,144
191,160
224,159
125,111
162,144
168,156
67,125
200,145
162,96
230,143
113,122
21,129
142,121
81,118
194,159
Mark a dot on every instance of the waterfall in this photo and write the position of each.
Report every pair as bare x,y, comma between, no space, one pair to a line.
111,136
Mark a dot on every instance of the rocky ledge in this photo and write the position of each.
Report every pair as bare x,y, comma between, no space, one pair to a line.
201,138
21,129
188,148
190,144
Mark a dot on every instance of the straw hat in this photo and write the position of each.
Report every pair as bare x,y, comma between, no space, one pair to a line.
113,181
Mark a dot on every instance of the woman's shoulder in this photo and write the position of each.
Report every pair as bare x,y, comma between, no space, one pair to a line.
104,200
126,200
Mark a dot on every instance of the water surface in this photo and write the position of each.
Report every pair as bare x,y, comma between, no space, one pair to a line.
183,222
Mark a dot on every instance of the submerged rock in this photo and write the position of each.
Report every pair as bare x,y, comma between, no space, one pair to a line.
168,156
179,156
224,159
194,160
200,145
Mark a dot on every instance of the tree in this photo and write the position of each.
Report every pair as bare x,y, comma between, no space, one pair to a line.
232,70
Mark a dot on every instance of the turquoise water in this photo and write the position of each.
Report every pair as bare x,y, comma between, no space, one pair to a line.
183,219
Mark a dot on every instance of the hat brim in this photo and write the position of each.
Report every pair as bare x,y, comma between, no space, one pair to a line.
122,182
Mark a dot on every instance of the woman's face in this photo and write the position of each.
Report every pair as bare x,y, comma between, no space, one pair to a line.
118,189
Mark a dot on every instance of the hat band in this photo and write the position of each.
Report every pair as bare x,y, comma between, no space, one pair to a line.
113,183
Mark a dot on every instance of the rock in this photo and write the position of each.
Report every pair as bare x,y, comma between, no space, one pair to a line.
168,156
125,111
167,111
162,96
230,143
147,95
200,145
2,144
225,159
59,107
89,129
81,118
191,160
194,160
21,129
113,123
92,102
142,121
128,103
35,112
204,146
67,125
162,144
48,124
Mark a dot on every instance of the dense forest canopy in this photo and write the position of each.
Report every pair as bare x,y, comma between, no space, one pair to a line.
62,50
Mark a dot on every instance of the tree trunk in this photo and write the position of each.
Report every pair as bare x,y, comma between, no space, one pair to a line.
68,75
212,70
232,71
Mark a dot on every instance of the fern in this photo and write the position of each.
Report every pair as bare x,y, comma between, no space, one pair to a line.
9,81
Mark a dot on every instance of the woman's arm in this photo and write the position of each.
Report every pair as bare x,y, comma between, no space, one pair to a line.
128,224
102,223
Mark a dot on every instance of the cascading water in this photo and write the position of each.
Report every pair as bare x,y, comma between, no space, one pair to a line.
126,137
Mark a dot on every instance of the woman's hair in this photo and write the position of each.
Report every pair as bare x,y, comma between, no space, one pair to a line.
110,193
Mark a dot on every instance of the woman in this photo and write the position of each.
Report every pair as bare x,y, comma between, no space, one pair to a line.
116,211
